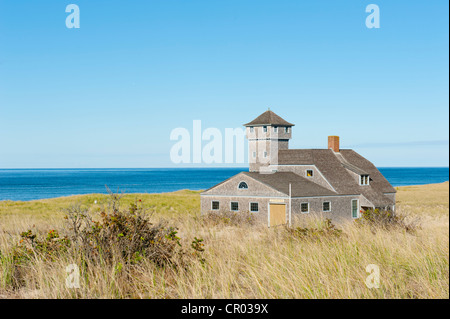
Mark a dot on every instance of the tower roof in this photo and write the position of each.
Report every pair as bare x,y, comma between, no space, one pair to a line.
269,118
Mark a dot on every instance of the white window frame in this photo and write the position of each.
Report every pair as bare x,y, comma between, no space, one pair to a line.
215,201
306,173
301,208
362,178
231,206
329,203
250,207
357,208
241,183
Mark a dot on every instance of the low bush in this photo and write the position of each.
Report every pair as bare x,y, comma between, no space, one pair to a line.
228,218
119,236
324,229
386,219
125,234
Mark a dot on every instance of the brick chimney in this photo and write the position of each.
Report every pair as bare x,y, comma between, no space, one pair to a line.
333,143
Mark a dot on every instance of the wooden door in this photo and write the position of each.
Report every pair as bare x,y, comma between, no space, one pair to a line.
277,214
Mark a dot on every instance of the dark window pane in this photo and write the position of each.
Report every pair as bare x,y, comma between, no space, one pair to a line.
254,207
305,207
234,206
354,208
326,206
215,205
243,185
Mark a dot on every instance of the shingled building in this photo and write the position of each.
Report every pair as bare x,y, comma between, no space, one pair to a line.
283,183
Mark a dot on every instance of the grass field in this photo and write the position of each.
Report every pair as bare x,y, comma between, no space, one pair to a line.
243,261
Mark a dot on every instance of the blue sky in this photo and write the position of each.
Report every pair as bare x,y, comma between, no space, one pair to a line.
109,94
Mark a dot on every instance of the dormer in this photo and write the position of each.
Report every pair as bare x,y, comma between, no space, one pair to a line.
364,179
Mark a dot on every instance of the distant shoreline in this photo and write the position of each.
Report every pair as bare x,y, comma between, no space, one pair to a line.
34,184
181,168
180,191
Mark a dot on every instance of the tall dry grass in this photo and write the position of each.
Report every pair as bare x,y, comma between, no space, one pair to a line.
247,261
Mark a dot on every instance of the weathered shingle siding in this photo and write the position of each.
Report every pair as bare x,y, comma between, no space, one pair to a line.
270,142
258,133
255,188
341,208
244,205
391,196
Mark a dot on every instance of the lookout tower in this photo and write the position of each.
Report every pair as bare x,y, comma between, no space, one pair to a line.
266,134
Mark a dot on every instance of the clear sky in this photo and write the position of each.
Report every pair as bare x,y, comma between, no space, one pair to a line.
109,93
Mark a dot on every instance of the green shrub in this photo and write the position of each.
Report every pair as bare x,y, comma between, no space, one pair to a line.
325,229
48,247
385,219
125,236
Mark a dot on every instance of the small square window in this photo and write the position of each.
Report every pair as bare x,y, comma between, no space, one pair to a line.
364,180
326,206
215,205
309,173
304,207
254,207
234,206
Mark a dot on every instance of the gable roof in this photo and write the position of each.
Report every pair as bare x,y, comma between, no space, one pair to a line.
269,118
279,181
334,168
300,186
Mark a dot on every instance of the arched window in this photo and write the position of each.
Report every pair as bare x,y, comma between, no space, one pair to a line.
243,185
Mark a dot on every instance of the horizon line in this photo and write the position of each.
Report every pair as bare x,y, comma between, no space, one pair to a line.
189,167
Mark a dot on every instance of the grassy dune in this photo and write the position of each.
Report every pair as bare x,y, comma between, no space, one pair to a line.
246,261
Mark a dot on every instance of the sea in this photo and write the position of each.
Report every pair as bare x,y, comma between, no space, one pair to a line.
33,184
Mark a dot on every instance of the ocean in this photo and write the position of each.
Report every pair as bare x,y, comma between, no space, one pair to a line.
31,184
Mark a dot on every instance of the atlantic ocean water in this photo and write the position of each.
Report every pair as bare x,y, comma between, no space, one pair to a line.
32,184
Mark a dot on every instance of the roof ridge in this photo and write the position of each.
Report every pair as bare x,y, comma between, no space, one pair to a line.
269,118
300,179
348,165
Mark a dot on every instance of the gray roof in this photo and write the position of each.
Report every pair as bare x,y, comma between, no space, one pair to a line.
349,166
300,186
335,170
269,118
